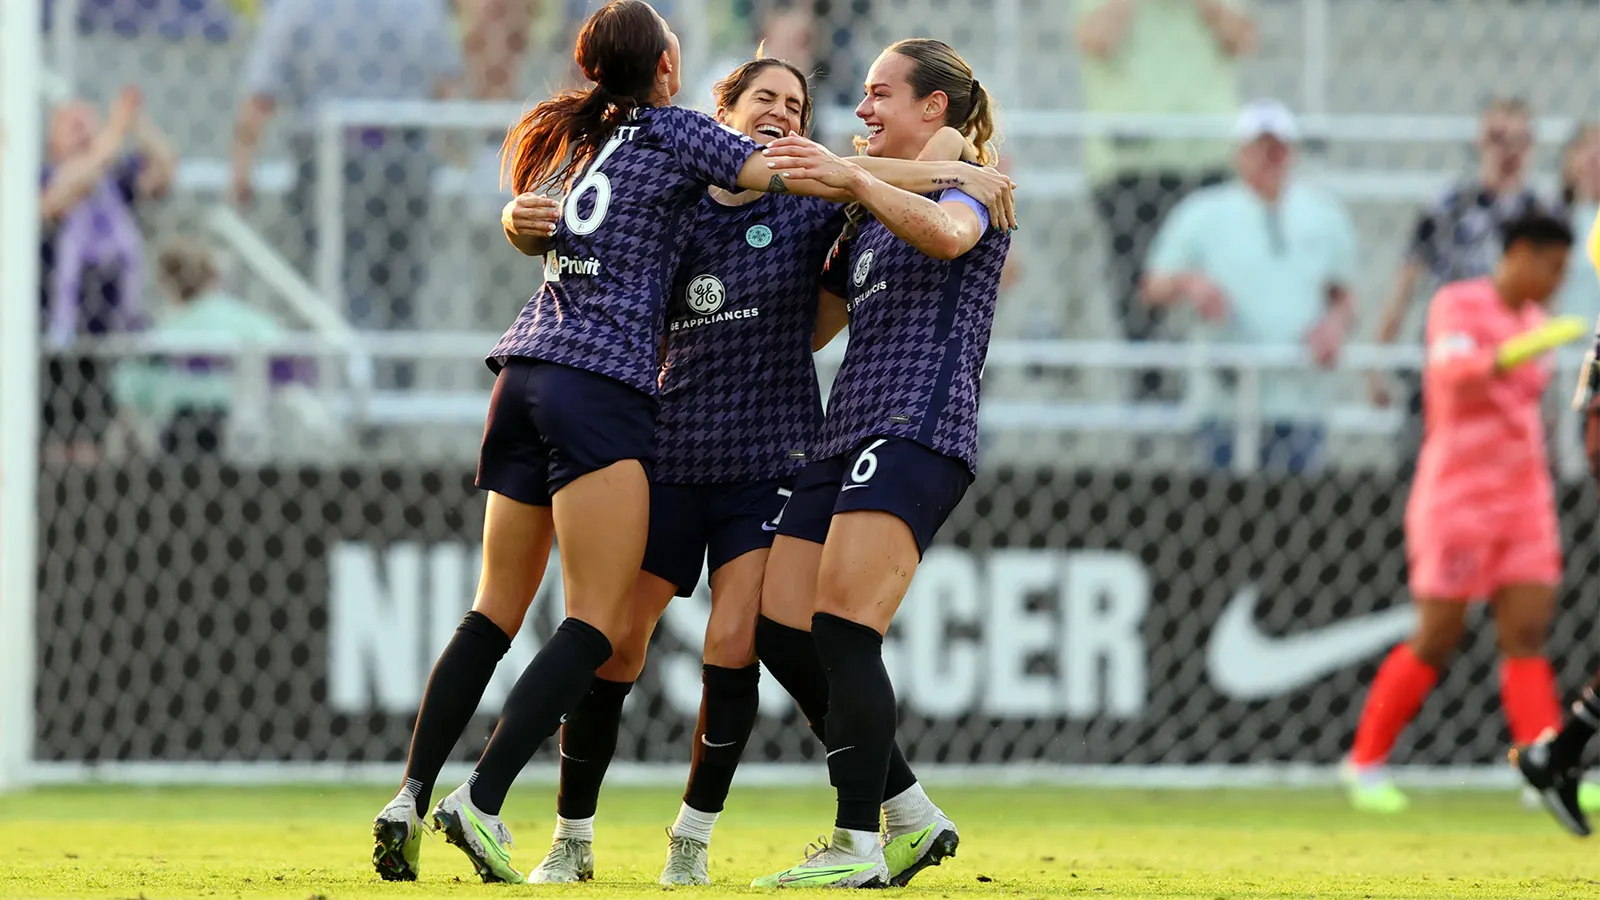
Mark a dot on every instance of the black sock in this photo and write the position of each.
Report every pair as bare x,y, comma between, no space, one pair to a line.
549,688
1581,725
454,689
729,702
790,656
588,742
861,717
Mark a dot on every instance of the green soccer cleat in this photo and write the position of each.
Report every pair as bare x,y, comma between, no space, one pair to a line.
688,862
1372,790
482,837
397,840
839,863
909,854
568,862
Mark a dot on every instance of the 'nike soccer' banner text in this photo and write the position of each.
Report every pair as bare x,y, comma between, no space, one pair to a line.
1089,618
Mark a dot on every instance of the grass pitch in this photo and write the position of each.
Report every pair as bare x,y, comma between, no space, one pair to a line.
314,844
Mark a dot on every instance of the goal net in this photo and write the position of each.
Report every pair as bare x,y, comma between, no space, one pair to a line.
254,540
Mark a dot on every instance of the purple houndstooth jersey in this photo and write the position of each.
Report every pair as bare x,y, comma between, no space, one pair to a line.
616,248
919,333
739,396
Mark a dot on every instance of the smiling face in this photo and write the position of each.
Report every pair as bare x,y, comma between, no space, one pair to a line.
770,105
898,122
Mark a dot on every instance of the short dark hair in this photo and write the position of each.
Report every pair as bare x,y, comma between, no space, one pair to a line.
1538,229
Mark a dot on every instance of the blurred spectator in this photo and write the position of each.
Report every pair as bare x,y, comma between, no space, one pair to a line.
1265,260
311,52
1154,57
1580,194
1458,237
92,253
190,399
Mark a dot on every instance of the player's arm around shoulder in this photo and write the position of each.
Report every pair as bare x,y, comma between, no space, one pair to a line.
529,221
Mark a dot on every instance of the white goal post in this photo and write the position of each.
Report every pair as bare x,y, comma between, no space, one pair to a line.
20,145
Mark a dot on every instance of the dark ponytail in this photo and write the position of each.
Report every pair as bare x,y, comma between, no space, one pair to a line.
618,50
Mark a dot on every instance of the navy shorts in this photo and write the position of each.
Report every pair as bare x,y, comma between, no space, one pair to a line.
691,524
550,425
916,485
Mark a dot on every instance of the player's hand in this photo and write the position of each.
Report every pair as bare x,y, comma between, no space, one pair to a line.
1208,299
794,157
993,189
531,215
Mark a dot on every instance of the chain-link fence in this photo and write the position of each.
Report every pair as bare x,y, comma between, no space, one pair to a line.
272,262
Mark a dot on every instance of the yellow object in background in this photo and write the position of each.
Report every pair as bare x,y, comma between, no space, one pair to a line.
1594,242
1550,335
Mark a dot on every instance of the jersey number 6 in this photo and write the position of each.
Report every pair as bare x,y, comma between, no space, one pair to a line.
866,464
592,180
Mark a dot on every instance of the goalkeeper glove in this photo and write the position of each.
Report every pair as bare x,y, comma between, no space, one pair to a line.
1550,335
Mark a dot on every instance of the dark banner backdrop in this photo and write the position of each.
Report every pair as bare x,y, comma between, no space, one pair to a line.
212,613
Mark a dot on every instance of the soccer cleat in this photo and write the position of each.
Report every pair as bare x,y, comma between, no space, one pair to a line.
482,837
397,840
1371,789
910,853
688,861
568,862
834,864
1556,783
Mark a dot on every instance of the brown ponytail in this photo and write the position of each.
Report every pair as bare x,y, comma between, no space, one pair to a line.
617,50
970,110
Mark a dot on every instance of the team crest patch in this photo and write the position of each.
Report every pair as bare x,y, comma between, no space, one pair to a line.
705,294
758,236
863,268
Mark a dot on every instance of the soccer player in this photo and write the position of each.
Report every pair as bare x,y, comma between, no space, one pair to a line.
1481,521
1553,765
739,406
570,434
895,455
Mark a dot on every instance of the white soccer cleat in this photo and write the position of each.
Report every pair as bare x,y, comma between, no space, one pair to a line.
568,862
482,837
688,862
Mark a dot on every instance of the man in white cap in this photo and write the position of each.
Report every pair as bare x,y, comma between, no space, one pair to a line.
1264,260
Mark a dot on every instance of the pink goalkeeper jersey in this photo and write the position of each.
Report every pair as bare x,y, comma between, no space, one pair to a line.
1483,466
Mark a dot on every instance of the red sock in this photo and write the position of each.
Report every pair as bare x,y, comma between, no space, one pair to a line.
1528,693
1397,693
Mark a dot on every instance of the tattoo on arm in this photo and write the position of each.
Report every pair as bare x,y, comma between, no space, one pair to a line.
948,182
777,185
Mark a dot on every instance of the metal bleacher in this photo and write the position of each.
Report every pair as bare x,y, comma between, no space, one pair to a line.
1365,68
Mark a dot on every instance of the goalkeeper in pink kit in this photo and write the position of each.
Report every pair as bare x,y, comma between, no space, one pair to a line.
1481,522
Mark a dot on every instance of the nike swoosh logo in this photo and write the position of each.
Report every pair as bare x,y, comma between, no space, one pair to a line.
1245,664
840,750
851,487
488,840
768,526
813,874
716,746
